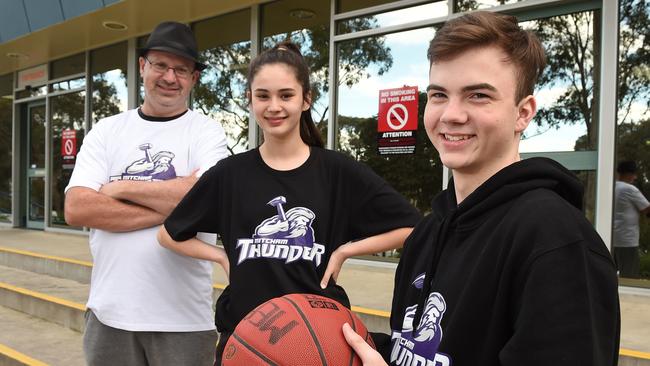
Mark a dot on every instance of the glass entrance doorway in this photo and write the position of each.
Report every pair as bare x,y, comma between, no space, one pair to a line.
35,167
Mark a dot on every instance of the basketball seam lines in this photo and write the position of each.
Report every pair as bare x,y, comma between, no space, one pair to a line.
256,352
353,325
311,331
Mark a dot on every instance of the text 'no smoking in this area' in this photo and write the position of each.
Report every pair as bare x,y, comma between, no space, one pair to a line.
397,120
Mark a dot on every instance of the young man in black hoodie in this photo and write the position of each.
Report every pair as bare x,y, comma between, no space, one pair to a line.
506,270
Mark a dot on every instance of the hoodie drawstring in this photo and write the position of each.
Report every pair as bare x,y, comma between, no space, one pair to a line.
440,239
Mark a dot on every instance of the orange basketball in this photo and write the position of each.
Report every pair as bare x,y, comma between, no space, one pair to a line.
295,329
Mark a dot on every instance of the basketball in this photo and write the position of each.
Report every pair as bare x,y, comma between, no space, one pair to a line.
295,329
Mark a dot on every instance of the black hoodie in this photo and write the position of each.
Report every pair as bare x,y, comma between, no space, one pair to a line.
514,275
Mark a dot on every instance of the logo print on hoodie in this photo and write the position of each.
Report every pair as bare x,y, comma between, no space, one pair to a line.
156,167
419,346
287,235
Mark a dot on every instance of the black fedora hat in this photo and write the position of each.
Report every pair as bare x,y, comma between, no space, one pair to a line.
176,38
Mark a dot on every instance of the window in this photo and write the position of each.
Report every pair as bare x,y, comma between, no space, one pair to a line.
220,92
6,121
633,125
366,66
109,90
66,123
71,65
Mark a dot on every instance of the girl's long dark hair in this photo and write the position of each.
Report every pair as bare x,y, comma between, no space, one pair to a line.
289,54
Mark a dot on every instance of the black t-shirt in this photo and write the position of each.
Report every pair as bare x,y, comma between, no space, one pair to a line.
279,228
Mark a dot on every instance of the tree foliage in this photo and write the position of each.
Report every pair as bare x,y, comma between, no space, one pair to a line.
417,176
569,44
634,60
105,100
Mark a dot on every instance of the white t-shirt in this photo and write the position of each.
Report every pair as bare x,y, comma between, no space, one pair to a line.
136,284
627,204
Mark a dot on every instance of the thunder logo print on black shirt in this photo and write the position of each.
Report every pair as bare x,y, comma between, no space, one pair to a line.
287,235
419,346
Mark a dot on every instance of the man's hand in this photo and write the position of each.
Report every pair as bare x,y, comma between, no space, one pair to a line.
190,180
112,189
160,196
368,356
87,207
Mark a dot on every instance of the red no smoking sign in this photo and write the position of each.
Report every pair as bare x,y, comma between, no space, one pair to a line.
68,148
397,120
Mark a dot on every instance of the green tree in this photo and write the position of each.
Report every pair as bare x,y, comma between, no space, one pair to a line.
467,5
105,101
634,61
220,92
569,44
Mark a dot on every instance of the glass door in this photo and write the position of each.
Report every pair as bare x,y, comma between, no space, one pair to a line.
35,169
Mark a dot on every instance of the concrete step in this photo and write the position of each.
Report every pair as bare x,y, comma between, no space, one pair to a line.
56,300
26,340
72,269
79,272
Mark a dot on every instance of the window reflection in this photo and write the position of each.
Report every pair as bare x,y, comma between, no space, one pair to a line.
31,92
467,5
71,65
343,6
67,118
395,17
6,116
365,67
140,44
633,120
36,119
68,84
109,89
566,119
36,209
220,93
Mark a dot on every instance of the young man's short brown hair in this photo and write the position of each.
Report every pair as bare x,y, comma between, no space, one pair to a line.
482,29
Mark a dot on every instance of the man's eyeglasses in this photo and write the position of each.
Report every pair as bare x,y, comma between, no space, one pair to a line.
161,67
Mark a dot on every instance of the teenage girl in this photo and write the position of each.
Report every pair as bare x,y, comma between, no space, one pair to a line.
290,212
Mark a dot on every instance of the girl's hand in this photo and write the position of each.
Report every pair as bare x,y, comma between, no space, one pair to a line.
368,356
222,259
334,265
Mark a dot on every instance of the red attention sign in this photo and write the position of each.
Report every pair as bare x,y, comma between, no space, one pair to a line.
397,121
69,143
68,148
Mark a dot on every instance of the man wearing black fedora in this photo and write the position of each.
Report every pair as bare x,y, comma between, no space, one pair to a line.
147,305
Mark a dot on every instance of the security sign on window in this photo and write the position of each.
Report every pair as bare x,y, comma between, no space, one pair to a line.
397,121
